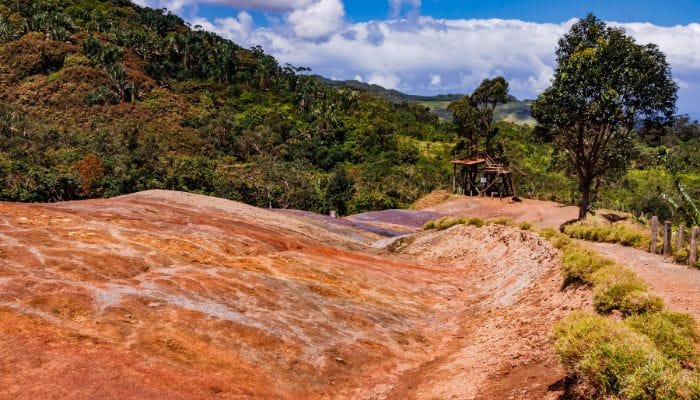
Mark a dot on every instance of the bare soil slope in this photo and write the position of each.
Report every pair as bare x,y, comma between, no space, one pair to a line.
166,295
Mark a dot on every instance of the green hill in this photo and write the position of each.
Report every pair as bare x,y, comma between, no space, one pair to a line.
101,98
515,111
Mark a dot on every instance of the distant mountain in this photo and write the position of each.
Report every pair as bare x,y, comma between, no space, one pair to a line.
391,95
516,111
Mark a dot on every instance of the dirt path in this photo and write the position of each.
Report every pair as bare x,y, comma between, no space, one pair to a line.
678,284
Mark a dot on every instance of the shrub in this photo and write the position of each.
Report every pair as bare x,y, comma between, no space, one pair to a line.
474,221
611,284
674,334
526,226
448,222
614,359
557,239
505,221
578,264
99,96
76,60
640,302
680,256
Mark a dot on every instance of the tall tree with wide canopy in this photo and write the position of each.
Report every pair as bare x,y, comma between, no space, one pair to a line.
605,86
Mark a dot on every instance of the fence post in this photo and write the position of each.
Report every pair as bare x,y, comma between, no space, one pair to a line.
692,258
654,233
667,238
680,237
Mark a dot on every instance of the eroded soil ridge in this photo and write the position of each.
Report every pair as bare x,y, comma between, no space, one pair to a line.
176,296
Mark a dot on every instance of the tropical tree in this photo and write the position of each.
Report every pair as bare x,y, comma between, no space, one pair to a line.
340,189
473,115
605,86
489,94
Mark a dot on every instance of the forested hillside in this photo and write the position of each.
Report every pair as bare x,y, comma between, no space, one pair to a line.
100,98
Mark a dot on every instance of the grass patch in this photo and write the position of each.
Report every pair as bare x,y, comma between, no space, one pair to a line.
674,334
611,286
448,222
623,233
613,359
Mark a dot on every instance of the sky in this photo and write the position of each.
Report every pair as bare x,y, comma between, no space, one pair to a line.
439,46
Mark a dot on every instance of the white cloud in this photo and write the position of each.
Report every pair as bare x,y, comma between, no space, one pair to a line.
389,81
317,20
240,27
401,53
396,6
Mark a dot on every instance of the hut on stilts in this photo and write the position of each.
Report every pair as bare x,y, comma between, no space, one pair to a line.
482,175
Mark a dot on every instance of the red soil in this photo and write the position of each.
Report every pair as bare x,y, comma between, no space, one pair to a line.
164,295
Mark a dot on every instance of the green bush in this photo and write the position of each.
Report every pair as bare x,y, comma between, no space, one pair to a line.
526,226
474,221
505,221
100,96
611,284
616,360
557,239
578,264
674,334
448,222
640,302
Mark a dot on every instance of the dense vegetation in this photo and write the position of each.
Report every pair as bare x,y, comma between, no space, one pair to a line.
101,98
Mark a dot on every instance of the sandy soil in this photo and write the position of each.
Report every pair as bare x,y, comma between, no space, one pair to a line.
542,214
166,295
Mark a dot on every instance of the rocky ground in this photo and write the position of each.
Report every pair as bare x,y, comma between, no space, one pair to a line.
167,295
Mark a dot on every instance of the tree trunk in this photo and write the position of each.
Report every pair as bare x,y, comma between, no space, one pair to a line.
585,199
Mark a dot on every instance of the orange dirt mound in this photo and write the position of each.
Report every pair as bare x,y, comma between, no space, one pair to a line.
166,295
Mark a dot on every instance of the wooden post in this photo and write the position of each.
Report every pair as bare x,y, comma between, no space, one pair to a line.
667,238
654,233
692,258
680,237
454,178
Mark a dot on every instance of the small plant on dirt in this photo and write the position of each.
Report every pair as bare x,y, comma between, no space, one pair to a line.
638,302
579,264
557,239
526,226
505,221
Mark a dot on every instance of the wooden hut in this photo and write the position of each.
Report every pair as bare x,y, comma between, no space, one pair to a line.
482,175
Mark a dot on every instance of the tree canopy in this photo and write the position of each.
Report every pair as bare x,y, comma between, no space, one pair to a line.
604,87
473,115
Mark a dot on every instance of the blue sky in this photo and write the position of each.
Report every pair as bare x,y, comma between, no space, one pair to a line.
664,13
438,46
